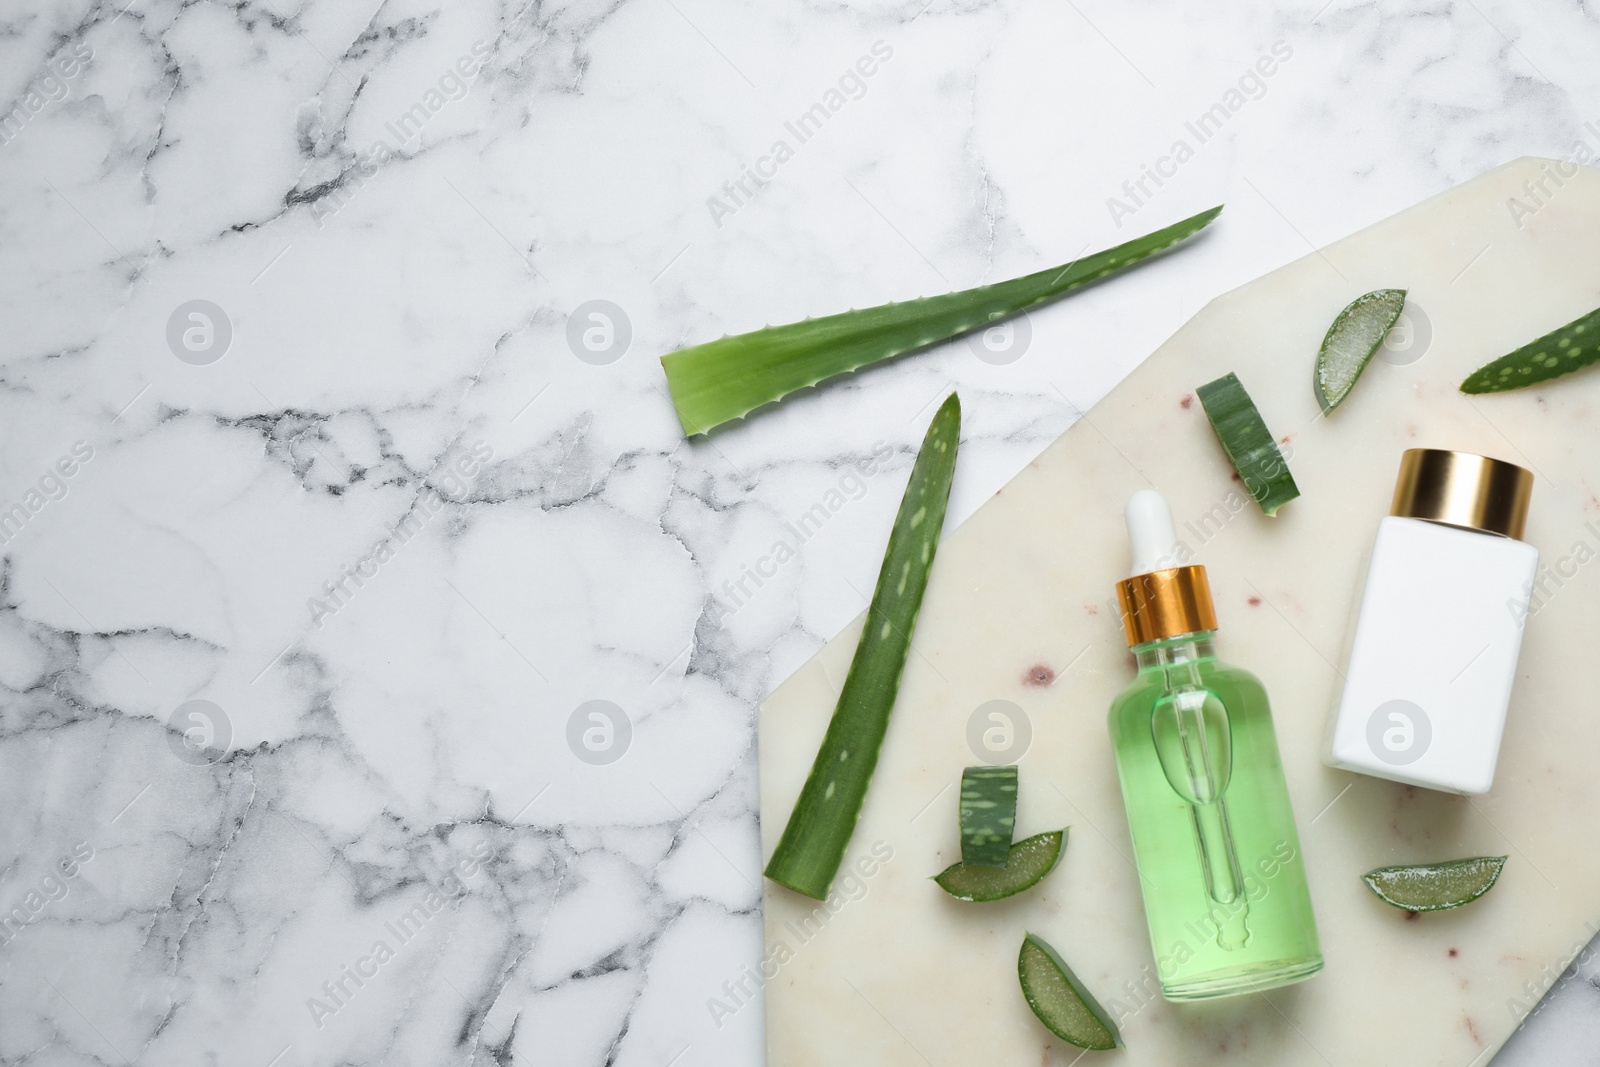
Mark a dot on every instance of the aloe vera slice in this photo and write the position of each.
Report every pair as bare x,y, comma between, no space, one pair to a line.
728,378
988,814
1060,1001
1572,347
1027,862
1352,340
1248,442
819,827
1435,886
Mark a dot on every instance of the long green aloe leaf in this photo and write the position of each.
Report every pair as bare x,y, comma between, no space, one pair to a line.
1575,345
732,376
814,840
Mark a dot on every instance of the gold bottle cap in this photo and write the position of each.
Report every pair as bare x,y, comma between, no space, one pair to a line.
1463,489
1166,603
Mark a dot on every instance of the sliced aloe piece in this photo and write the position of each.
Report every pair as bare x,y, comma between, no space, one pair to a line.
728,378
824,817
1574,346
1027,862
1248,442
1435,886
1351,342
1060,1000
988,814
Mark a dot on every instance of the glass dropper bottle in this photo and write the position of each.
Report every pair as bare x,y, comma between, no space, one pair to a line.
1213,832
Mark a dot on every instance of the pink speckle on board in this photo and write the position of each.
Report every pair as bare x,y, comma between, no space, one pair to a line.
1091,609
1039,676
1413,916
1454,953
1253,601
1187,402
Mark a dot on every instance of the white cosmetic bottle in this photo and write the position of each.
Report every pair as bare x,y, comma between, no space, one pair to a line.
1434,651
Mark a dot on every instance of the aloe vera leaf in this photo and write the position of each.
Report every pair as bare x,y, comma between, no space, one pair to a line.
1572,347
728,378
819,828
1060,1000
1351,342
1248,442
1436,886
988,814
1027,862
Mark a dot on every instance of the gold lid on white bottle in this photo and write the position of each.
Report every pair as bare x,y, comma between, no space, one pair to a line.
1463,489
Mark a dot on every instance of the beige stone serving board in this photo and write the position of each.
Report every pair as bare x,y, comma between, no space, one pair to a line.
894,972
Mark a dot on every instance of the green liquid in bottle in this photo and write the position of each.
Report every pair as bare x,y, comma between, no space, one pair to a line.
1213,833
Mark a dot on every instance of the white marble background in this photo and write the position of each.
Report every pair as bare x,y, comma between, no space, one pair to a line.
382,383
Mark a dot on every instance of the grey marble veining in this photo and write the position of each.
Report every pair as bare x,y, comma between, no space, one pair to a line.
379,684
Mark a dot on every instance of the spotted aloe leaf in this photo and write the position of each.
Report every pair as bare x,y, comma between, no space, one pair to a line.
988,812
824,817
1575,345
730,377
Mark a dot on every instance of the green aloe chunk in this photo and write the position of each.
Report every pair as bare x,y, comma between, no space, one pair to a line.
1352,341
1248,442
1435,886
988,814
728,378
1027,862
1572,347
819,828
1060,1001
